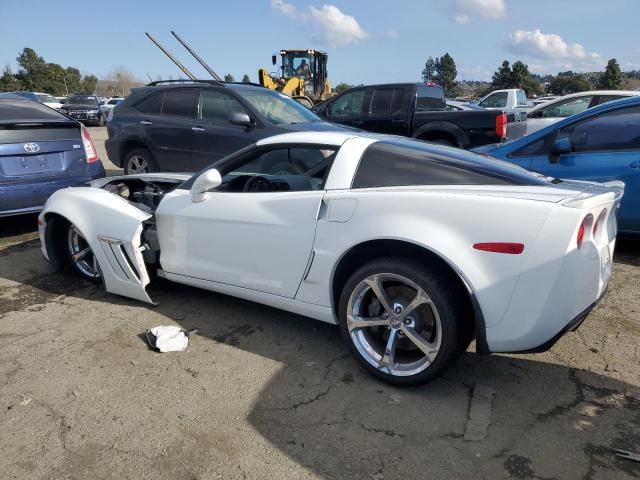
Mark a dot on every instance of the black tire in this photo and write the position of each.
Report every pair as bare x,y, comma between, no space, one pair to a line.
134,157
443,141
101,121
86,266
454,338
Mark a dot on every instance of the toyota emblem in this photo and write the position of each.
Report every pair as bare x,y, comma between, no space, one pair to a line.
31,147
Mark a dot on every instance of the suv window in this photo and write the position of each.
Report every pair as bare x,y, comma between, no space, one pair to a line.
495,100
521,97
616,130
215,107
386,101
568,107
151,105
349,104
288,169
179,102
386,164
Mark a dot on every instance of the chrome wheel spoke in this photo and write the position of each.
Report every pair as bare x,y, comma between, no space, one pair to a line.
428,348
81,254
354,322
420,299
389,356
375,284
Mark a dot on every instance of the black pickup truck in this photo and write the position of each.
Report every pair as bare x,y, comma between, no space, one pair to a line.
418,110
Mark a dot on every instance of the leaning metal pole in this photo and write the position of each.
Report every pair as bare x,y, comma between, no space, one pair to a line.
184,69
197,57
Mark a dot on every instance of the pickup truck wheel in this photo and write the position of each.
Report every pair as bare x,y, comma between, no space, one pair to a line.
139,160
401,321
443,141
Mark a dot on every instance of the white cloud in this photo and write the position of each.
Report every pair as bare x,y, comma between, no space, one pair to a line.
327,24
546,45
284,8
464,11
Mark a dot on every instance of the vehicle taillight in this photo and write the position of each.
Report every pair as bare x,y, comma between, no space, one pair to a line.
500,247
501,125
584,228
89,148
599,222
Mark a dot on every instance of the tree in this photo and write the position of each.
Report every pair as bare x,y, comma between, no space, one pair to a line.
229,78
8,81
88,84
564,84
342,87
429,70
446,73
122,80
246,79
32,74
612,78
516,76
502,77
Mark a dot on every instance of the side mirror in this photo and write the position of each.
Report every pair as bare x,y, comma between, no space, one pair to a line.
206,181
274,59
239,118
562,146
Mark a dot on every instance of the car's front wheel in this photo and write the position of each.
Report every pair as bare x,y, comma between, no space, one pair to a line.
139,160
80,255
401,321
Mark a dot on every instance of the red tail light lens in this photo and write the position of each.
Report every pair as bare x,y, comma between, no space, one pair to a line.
500,247
583,229
89,148
501,125
599,222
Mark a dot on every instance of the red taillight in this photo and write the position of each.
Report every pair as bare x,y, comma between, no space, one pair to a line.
599,222
583,229
501,125
500,247
89,148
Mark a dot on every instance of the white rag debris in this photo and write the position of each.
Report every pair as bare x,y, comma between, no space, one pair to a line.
170,338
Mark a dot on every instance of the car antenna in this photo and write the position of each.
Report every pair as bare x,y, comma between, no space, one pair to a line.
197,57
184,69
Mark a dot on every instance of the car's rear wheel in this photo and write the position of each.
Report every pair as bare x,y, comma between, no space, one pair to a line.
80,255
139,160
401,321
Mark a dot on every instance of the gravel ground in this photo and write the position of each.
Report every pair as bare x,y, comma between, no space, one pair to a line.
267,394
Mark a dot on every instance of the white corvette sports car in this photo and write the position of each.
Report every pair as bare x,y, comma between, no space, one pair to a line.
413,249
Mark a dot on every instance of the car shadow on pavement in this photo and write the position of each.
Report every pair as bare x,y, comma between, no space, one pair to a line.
628,251
322,411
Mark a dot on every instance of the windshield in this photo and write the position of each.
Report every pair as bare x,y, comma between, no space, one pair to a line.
81,100
47,99
296,64
278,108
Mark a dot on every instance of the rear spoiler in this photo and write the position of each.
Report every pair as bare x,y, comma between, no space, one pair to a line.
593,190
15,124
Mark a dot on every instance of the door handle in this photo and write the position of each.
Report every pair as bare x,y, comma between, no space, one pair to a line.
198,129
145,122
635,164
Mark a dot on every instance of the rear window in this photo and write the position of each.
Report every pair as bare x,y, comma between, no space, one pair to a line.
410,163
152,105
26,110
179,103
429,98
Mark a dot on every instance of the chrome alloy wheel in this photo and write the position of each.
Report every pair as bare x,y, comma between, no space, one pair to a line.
137,164
81,254
394,324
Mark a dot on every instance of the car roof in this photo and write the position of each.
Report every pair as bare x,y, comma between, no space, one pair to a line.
13,96
315,138
628,93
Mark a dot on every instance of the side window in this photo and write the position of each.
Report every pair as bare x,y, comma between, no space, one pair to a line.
283,169
388,165
522,98
381,101
567,107
534,148
348,105
215,107
608,98
151,105
617,130
429,98
179,102
495,100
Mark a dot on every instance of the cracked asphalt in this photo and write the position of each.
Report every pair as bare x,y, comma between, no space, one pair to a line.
267,394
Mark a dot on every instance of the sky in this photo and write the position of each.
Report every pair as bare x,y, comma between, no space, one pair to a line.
368,41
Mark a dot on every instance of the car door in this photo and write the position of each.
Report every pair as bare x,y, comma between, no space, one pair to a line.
169,134
213,137
603,148
557,111
386,112
258,237
348,109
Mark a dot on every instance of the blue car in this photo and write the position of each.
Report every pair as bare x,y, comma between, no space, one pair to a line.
600,144
41,151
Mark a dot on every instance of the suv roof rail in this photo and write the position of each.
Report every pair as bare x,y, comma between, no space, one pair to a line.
184,80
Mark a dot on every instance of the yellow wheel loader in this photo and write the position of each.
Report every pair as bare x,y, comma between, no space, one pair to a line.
302,75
